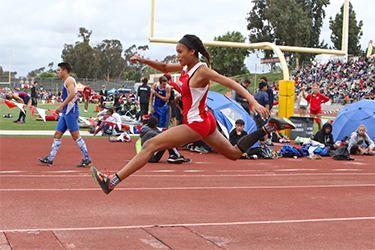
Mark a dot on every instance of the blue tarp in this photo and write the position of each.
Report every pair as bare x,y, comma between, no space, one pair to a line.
226,111
353,115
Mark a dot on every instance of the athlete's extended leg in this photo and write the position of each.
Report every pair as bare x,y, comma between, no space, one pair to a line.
171,138
273,124
222,145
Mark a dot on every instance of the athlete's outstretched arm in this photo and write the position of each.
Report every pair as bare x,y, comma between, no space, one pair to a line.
216,77
161,66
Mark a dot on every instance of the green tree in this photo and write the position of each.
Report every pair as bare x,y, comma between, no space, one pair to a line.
50,66
80,55
130,69
287,22
46,75
171,59
111,62
355,31
36,72
227,60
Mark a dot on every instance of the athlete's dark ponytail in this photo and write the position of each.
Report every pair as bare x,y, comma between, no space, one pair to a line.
193,42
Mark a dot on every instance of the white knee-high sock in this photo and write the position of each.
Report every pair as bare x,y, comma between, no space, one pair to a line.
55,147
82,146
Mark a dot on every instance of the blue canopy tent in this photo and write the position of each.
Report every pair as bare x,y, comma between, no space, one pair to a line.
226,111
124,90
353,115
112,91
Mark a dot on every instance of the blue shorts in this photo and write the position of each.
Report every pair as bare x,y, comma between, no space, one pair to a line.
161,112
68,121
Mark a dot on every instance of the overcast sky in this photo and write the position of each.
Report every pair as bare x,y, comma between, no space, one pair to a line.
36,31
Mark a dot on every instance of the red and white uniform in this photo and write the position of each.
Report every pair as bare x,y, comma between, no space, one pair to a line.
316,101
195,111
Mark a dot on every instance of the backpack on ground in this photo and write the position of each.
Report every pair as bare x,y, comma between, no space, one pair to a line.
342,154
290,151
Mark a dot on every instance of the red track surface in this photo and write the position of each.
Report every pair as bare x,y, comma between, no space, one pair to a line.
212,203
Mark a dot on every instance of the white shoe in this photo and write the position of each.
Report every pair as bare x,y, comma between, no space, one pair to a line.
85,110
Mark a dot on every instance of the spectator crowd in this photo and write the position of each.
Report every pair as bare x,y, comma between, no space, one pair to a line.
343,82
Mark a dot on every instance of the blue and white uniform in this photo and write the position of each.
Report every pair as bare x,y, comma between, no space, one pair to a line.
70,112
161,107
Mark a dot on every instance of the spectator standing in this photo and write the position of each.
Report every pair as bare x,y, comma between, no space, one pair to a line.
242,100
262,98
160,95
302,103
171,103
104,94
316,99
34,95
143,93
86,96
269,91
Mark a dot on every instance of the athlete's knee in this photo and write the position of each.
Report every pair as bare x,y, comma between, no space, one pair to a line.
233,157
150,145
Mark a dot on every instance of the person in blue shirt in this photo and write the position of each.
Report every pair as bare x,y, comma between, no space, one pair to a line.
160,95
269,91
262,98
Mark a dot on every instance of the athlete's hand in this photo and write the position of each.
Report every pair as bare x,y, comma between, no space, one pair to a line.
262,111
59,109
152,110
136,58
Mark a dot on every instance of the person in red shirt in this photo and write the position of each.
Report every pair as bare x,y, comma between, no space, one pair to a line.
86,96
316,99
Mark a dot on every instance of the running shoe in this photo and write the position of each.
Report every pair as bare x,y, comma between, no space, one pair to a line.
20,122
200,150
186,160
45,160
174,159
84,163
104,180
280,123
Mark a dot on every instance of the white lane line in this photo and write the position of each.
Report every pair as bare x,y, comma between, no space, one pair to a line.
192,224
183,188
175,174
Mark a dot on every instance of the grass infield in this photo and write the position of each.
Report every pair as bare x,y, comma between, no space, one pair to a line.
31,122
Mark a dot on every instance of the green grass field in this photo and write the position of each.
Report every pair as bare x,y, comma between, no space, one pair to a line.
31,122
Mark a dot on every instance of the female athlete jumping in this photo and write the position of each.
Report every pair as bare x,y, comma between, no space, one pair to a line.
199,123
